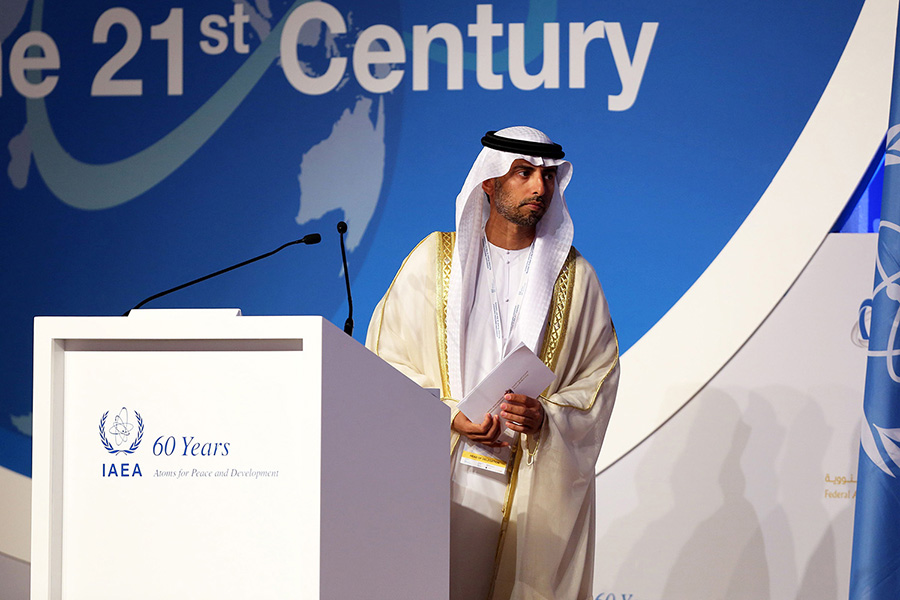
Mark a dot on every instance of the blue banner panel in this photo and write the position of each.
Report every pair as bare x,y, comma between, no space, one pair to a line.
149,143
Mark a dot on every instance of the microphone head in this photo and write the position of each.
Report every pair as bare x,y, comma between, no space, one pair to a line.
342,227
312,238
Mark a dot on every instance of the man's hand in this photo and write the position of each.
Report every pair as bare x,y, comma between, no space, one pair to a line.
486,433
522,414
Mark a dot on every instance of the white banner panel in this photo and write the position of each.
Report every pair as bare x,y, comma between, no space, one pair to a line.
748,491
215,427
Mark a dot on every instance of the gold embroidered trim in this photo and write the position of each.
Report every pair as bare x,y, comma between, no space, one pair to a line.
558,315
507,505
442,277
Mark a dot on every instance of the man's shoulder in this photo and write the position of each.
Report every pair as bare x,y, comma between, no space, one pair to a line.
440,237
423,256
436,242
433,242
584,270
434,237
580,261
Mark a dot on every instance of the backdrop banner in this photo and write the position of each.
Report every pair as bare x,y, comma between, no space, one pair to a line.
150,143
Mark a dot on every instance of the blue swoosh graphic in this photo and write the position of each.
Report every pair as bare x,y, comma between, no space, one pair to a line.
100,186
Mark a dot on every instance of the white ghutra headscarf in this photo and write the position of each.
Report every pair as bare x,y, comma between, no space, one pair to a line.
551,245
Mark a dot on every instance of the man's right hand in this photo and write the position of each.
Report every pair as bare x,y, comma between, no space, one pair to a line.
486,433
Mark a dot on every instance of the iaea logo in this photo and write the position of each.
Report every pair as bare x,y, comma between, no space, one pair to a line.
121,431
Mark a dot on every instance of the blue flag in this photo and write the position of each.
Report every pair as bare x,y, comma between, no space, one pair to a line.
875,567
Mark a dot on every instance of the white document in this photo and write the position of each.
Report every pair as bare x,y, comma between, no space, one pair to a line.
520,371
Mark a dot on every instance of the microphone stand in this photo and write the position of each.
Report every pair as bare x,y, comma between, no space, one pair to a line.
312,238
348,324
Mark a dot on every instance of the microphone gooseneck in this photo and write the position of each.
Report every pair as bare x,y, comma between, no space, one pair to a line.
309,239
348,324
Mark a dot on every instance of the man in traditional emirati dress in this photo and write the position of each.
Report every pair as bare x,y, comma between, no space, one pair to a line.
523,530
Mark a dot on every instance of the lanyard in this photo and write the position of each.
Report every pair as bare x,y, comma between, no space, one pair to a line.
495,302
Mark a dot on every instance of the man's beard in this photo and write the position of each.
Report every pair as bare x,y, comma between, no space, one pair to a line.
508,208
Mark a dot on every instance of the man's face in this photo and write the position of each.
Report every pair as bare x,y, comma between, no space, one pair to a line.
523,194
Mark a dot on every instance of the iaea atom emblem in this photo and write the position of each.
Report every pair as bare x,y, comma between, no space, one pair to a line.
121,431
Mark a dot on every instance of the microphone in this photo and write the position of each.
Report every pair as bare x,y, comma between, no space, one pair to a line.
309,239
348,324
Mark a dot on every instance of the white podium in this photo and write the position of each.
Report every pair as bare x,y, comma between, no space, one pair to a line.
202,454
